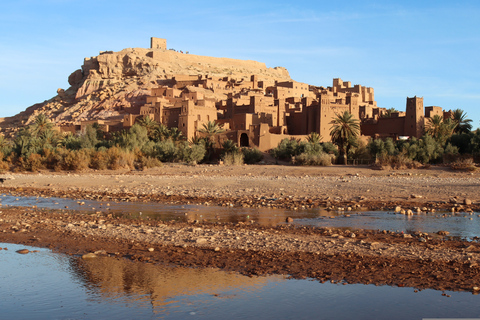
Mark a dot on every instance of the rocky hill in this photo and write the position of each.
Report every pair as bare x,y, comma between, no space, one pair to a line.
110,84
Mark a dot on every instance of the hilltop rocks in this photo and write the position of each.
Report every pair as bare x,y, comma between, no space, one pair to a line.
75,78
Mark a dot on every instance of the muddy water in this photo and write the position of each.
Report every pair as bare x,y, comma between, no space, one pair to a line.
45,285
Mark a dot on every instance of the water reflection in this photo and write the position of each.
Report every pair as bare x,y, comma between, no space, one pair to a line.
160,286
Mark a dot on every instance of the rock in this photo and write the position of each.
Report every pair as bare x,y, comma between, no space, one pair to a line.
406,235
289,219
398,209
467,202
23,251
90,255
151,249
216,249
201,240
75,77
443,233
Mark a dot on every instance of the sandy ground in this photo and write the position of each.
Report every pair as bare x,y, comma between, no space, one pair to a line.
418,260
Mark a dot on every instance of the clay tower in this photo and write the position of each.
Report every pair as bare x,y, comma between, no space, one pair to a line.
414,123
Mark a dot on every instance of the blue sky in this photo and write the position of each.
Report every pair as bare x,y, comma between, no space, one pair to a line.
400,48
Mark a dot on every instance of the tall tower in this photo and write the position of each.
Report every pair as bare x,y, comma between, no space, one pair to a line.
414,117
158,43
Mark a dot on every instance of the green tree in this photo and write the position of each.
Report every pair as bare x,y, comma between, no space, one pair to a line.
344,128
314,137
463,125
210,129
150,125
41,124
433,125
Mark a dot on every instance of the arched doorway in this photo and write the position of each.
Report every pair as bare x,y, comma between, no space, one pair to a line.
244,141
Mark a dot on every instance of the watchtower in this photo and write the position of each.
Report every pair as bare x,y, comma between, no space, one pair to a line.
414,117
158,43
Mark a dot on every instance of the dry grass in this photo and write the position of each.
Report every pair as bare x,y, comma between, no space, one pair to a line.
395,162
233,159
463,164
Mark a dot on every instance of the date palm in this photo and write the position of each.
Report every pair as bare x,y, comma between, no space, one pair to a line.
434,125
344,128
463,125
314,138
148,124
41,124
210,129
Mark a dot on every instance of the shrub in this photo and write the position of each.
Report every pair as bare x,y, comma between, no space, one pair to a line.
308,159
99,159
287,148
165,151
3,164
252,155
329,147
378,147
233,159
54,158
229,146
118,158
190,153
145,162
399,161
465,164
35,162
450,154
76,160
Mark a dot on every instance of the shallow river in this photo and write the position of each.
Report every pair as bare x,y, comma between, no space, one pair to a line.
459,225
46,285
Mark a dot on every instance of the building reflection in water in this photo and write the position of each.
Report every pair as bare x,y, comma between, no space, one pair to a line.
161,286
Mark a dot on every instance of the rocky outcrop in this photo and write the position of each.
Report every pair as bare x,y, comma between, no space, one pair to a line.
114,83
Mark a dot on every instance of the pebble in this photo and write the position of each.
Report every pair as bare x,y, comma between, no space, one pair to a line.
23,251
151,249
89,256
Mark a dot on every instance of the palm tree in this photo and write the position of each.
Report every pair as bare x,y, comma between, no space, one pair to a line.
463,125
388,113
41,124
314,138
148,124
175,134
439,128
433,125
160,133
5,146
344,128
210,129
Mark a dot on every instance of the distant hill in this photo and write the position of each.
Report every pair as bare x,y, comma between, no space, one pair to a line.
112,83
